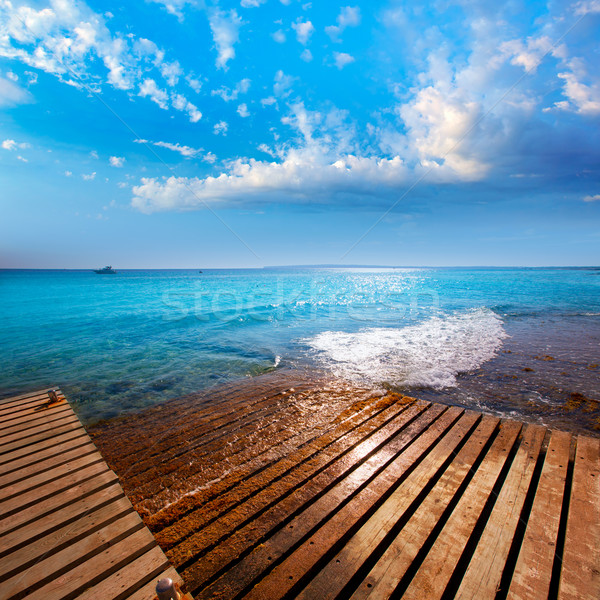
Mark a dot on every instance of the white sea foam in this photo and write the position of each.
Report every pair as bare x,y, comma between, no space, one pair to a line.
430,354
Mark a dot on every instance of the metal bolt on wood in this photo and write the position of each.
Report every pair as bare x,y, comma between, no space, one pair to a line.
166,590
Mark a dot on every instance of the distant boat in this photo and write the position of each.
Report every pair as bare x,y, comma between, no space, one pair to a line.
105,271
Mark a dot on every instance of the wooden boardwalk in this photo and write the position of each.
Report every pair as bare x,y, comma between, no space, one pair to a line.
67,530
392,498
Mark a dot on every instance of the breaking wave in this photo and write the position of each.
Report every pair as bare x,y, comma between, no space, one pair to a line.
430,354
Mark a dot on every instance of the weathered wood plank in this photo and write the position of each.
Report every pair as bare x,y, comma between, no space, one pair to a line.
130,578
22,397
52,488
44,507
79,577
341,567
30,452
42,546
61,523
25,444
580,574
38,483
434,573
17,409
47,425
363,485
31,417
22,470
484,572
533,571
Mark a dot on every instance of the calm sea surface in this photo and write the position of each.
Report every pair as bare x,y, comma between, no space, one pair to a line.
520,342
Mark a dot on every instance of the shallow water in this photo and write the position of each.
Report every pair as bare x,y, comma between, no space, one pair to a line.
122,342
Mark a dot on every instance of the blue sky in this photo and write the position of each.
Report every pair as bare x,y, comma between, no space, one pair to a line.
184,133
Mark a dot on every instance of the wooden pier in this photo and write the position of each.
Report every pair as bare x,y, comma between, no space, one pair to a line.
67,530
389,497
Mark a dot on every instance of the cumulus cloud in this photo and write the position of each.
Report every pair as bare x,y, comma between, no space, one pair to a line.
581,97
306,55
68,173
116,161
13,145
349,17
228,94
73,43
89,176
220,128
304,30
175,7
342,59
242,110
252,3
279,36
225,31
283,84
594,198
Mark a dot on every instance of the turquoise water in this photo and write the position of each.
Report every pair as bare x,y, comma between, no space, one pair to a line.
120,342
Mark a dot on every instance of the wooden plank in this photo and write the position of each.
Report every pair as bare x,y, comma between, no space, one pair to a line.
130,578
19,408
52,488
39,481
580,574
31,416
364,484
26,443
484,572
76,567
29,453
533,571
342,566
40,546
49,424
24,470
53,503
27,396
60,520
434,573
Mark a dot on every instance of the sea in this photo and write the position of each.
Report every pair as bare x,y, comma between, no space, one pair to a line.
516,342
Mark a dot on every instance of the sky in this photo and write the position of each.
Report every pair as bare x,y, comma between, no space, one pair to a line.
191,133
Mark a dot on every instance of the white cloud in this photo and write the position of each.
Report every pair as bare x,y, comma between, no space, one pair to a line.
194,83
231,94
279,36
220,128
304,30
342,59
12,95
243,110
12,76
594,198
12,145
283,84
89,177
185,151
209,157
527,54
151,90
94,154
587,6
116,161
582,97
70,41
349,17
22,159
252,3
68,173
175,7
306,55
225,30
269,101
182,103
